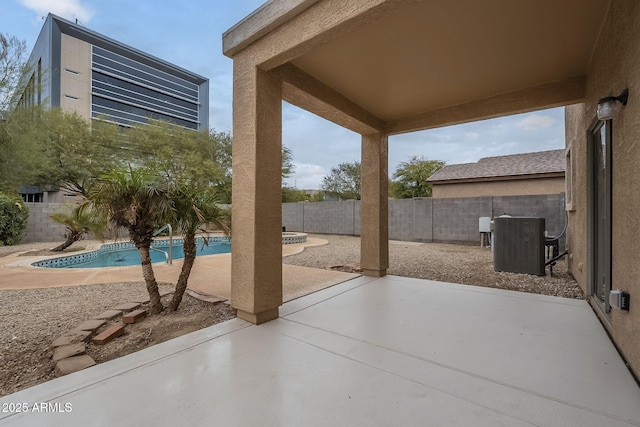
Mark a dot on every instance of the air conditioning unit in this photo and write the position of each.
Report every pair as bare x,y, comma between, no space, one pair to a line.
519,245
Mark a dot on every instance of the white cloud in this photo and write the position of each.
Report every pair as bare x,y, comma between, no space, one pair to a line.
470,136
68,9
536,121
307,176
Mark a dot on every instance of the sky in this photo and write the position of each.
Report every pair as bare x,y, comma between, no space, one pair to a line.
189,34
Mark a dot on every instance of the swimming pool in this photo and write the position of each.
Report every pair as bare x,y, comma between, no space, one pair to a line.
125,254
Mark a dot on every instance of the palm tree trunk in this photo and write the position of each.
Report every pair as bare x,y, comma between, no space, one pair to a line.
150,280
189,247
71,238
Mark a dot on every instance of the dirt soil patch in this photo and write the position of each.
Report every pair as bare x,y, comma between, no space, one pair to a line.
192,315
31,319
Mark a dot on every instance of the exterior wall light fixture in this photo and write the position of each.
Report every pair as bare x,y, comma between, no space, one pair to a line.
608,107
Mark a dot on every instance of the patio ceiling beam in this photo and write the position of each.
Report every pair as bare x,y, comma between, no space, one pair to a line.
549,95
308,93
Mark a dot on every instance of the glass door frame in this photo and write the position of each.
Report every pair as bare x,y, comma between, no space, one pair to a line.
599,241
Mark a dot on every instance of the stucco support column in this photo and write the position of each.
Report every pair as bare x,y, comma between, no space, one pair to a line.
256,259
374,206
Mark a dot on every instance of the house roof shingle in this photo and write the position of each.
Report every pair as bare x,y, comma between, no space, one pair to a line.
541,162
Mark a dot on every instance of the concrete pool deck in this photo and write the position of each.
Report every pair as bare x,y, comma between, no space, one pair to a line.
210,277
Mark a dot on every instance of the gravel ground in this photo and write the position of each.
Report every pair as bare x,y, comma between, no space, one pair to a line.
469,265
31,319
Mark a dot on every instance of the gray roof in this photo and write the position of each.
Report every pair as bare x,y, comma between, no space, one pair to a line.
541,162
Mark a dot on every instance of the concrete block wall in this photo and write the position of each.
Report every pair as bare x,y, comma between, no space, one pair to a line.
456,220
401,219
293,216
422,219
545,206
40,228
453,220
356,220
322,217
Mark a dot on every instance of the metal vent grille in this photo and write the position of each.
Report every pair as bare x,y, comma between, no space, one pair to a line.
519,245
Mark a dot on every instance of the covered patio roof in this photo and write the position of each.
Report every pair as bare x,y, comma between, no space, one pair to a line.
382,67
398,66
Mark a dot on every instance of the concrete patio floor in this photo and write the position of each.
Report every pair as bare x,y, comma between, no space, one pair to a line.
388,351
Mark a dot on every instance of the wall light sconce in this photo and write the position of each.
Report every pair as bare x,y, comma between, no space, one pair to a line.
608,107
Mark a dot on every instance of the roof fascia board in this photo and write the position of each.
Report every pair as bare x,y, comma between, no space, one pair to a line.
262,21
325,21
499,178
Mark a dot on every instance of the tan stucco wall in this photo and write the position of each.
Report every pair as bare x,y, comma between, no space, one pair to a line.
575,129
256,261
615,65
520,187
75,56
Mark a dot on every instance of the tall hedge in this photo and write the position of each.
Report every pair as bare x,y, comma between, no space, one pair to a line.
14,216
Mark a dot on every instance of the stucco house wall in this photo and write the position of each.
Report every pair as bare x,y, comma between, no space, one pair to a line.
522,174
516,187
614,66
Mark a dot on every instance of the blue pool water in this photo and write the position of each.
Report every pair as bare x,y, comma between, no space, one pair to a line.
125,254
122,257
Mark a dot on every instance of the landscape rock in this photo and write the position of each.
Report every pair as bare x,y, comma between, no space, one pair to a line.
72,337
127,306
108,315
66,351
90,325
73,364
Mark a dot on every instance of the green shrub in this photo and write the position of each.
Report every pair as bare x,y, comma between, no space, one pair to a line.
14,216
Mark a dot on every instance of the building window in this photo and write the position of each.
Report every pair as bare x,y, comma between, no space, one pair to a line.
128,92
33,197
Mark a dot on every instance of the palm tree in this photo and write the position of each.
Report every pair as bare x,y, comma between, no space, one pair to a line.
193,208
136,200
78,222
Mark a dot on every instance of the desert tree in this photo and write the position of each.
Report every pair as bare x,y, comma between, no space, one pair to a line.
343,181
13,69
410,178
137,200
78,222
194,208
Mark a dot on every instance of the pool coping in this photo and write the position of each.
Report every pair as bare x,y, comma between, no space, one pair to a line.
18,274
96,246
85,256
